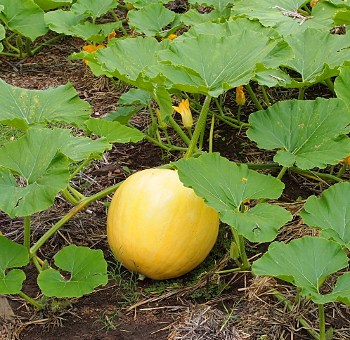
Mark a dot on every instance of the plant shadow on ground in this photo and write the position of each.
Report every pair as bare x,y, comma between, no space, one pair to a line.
130,309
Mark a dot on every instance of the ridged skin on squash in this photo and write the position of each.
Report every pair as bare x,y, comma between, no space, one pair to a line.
158,227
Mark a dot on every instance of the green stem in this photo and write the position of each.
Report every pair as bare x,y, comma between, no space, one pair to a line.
37,264
316,175
202,120
330,85
81,205
179,131
282,172
48,42
69,197
76,194
81,166
244,258
301,93
118,20
28,49
231,121
26,242
211,134
10,46
342,170
321,320
219,106
30,300
253,96
266,97
302,321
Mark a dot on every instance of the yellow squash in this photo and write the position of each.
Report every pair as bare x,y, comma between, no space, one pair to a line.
159,228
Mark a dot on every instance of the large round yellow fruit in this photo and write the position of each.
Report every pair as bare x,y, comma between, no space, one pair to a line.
159,228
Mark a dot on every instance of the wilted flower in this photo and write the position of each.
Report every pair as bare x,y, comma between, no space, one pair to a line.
185,111
91,48
240,97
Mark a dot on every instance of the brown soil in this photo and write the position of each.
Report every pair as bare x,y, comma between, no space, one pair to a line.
111,312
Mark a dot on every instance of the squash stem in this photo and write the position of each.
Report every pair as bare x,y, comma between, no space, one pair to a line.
199,127
30,300
81,205
26,242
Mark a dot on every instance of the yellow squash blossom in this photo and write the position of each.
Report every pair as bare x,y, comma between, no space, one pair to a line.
91,48
346,159
240,97
111,35
185,111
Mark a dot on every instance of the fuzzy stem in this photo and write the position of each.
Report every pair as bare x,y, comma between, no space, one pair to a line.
81,205
179,131
301,93
118,20
266,98
28,49
330,85
81,166
211,134
199,127
321,320
26,242
254,98
30,300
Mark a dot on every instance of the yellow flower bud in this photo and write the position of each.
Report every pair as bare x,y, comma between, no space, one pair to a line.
185,111
240,97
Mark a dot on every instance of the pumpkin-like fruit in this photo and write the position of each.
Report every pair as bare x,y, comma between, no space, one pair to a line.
159,228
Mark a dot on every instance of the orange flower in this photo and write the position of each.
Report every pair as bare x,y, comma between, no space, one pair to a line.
185,111
111,35
172,36
91,48
240,97
313,3
346,159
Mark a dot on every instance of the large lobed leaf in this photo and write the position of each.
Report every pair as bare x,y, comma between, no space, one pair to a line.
306,262
331,213
312,62
342,85
41,158
24,17
231,61
21,108
87,267
11,255
309,132
224,185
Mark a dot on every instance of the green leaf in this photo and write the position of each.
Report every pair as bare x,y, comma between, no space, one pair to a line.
143,3
271,14
259,224
87,268
314,63
12,255
24,17
114,131
126,60
51,4
135,96
21,107
43,169
41,160
231,61
342,85
93,8
310,132
163,99
122,114
331,212
93,32
150,19
342,18
341,291
304,262
62,21
217,4
193,17
229,28
224,185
